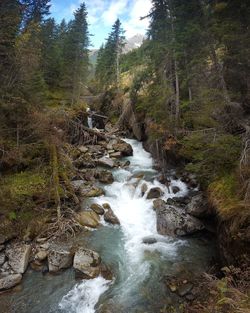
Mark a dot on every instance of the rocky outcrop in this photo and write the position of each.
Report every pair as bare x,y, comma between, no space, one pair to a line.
198,206
129,121
88,218
18,256
8,281
154,193
87,263
59,258
173,221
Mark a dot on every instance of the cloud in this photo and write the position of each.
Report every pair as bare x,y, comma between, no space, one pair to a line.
116,9
133,26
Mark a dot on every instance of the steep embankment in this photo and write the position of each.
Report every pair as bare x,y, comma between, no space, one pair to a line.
214,164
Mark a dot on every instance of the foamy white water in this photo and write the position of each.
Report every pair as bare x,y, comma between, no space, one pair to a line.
137,221
84,296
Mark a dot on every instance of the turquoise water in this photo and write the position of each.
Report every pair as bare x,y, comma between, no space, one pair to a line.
139,269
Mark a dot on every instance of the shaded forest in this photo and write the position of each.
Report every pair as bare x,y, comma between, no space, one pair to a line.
187,88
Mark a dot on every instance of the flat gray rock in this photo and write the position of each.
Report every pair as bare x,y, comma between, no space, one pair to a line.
18,255
9,281
174,221
87,262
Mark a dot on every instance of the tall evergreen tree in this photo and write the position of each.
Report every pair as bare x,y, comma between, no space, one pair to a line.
10,18
108,63
75,56
29,51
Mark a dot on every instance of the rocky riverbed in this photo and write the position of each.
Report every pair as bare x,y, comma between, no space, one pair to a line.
131,221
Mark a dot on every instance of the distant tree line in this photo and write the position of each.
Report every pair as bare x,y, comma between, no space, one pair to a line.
107,72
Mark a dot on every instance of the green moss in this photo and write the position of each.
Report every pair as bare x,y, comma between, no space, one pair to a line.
19,191
211,155
25,183
224,194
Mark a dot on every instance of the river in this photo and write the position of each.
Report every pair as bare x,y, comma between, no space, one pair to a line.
139,268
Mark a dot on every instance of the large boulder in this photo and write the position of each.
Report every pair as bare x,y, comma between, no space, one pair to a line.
97,208
59,258
88,218
173,221
110,216
18,256
85,161
87,263
91,191
154,193
198,206
124,148
106,162
9,281
105,177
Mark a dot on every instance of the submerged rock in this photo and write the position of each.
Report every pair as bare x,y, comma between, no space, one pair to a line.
155,192
87,263
149,240
9,281
175,189
106,272
88,218
174,221
18,255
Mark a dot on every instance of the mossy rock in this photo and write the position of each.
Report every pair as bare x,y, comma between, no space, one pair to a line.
88,218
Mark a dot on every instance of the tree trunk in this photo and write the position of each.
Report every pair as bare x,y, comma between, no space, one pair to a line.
177,85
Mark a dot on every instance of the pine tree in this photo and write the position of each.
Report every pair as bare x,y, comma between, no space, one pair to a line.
75,55
163,35
29,51
108,64
10,18
51,53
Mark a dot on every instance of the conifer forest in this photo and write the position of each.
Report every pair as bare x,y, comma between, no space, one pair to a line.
125,166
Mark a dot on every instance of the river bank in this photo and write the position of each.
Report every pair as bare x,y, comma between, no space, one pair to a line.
136,240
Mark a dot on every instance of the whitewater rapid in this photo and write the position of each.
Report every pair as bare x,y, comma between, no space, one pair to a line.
137,221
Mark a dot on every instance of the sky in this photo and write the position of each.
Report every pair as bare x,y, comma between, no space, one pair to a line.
103,13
